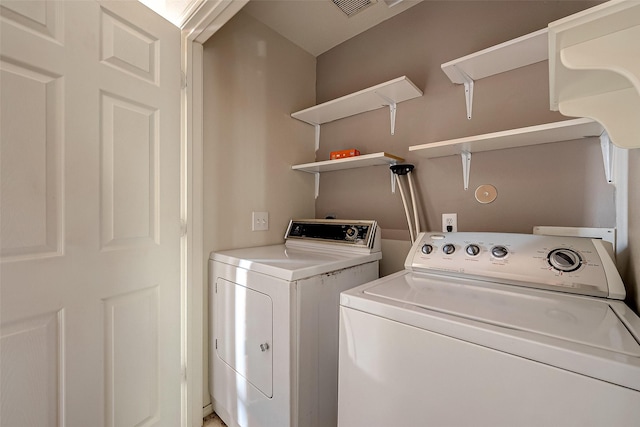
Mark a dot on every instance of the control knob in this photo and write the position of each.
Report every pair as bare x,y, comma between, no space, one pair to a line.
563,259
448,249
351,233
472,250
426,249
499,251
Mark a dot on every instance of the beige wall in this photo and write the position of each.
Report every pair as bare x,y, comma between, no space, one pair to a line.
632,275
253,80
558,184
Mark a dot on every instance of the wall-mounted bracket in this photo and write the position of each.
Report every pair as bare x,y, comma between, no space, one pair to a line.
393,181
607,156
392,111
466,166
468,90
317,136
468,94
317,177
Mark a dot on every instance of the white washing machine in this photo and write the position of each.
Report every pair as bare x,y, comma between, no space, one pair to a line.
491,329
274,324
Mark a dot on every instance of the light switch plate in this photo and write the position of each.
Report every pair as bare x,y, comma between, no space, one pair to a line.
259,221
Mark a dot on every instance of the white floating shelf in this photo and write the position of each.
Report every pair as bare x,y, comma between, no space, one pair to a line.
507,56
364,160
375,159
522,51
533,135
397,90
594,68
386,94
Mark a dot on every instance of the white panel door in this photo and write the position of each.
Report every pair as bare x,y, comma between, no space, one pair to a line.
90,221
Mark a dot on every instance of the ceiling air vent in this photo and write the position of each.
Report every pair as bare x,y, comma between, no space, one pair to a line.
351,7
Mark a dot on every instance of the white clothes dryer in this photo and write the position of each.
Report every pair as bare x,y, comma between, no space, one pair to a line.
274,322
491,329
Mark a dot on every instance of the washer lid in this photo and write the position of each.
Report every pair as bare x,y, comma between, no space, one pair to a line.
292,264
576,319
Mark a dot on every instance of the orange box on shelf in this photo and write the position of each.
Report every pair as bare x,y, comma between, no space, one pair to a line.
341,154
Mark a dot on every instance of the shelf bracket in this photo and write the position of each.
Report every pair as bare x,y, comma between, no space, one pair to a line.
468,90
468,94
607,156
466,166
392,111
393,180
317,185
317,127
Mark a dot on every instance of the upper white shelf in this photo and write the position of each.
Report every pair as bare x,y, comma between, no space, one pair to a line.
396,90
364,160
533,135
594,68
384,94
526,50
507,56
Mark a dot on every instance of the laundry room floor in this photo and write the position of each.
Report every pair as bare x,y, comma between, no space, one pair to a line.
213,421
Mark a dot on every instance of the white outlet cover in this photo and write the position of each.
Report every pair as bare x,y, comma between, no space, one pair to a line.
449,219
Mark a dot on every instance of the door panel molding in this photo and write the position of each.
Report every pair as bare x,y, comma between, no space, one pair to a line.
32,195
129,173
31,367
40,17
128,48
131,359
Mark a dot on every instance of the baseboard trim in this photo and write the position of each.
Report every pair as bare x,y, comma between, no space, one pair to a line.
207,410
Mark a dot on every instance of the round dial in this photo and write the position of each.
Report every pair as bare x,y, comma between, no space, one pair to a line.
351,233
472,250
426,249
499,251
563,259
448,249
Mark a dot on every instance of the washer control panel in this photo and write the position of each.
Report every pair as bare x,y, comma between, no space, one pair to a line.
568,264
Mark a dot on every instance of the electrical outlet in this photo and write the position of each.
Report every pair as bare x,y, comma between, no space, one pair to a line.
449,222
259,221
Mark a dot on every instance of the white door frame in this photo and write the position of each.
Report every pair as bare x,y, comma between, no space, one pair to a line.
210,16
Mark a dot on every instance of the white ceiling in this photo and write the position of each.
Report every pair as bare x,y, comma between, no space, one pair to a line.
175,11
318,25
314,25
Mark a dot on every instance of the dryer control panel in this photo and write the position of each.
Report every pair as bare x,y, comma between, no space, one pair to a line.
567,264
354,233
